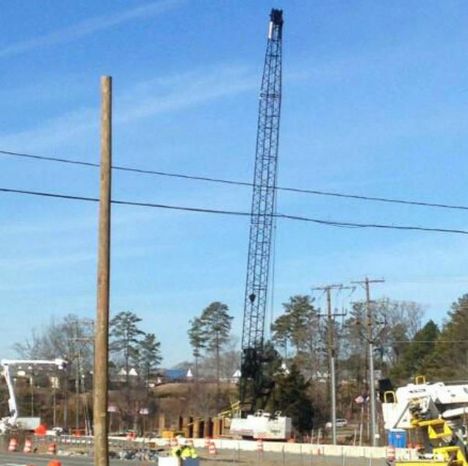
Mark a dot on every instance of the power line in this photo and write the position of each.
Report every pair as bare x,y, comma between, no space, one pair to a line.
425,341
237,213
239,183
48,159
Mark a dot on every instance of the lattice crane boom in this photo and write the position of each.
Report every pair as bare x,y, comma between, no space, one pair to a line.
263,208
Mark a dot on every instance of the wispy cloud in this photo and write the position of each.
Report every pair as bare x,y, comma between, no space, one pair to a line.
145,100
88,27
184,90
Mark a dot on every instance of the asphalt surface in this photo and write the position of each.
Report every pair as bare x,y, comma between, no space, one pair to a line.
223,459
21,459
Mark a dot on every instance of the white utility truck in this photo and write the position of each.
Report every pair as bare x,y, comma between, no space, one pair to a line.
431,400
12,421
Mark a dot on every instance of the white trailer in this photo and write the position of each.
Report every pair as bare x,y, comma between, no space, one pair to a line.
262,425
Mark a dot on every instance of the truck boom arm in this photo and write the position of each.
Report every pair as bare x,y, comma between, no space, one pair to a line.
9,422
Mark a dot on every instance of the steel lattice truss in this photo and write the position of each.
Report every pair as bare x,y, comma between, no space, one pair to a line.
263,200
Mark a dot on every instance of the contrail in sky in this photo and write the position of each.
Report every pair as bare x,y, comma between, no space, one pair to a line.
89,26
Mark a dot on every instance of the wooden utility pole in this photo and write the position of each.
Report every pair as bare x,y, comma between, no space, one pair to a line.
100,373
370,340
331,352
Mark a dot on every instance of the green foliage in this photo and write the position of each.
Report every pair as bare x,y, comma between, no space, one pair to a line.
298,328
197,336
259,373
125,338
417,354
215,326
149,353
450,357
210,332
298,325
292,399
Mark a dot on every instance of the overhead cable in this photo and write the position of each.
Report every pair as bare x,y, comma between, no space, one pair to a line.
237,213
240,183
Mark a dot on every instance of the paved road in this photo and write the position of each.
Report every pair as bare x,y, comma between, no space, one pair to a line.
223,459
20,459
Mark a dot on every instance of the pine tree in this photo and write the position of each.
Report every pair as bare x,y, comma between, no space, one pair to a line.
450,359
149,351
417,354
299,328
124,333
215,326
197,338
292,399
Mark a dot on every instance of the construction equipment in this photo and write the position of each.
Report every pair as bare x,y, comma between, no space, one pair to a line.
263,426
434,416
431,399
254,388
11,422
441,444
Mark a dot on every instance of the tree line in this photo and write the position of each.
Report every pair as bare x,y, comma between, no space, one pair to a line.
405,344
72,338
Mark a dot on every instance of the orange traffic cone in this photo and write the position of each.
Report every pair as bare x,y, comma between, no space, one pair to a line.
27,446
212,448
13,444
52,449
54,463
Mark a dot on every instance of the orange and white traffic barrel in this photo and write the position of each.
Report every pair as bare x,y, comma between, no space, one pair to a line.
27,446
13,444
52,449
212,448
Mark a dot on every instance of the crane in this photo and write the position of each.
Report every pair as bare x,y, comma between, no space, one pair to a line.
253,388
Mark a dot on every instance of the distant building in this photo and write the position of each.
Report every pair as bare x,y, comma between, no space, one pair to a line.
236,376
173,375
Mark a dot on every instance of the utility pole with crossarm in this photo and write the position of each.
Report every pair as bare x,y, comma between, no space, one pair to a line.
370,340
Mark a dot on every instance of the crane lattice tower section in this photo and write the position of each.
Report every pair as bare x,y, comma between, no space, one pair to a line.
263,207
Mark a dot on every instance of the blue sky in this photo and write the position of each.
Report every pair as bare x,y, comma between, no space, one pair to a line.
375,103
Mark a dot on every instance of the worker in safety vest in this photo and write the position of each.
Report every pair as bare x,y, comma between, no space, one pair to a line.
188,452
183,449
